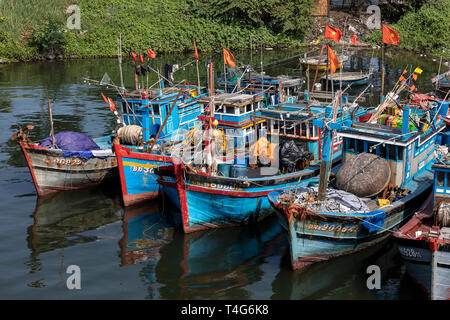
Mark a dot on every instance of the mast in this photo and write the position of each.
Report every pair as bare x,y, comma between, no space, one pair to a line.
120,62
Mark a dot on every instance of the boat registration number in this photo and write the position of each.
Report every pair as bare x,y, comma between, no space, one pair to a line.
332,228
71,162
409,252
141,169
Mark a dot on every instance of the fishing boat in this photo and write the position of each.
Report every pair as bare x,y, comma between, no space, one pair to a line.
385,175
424,241
442,84
155,121
348,78
61,167
276,90
321,63
217,191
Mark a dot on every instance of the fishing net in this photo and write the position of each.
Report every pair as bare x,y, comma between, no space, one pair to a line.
336,201
71,141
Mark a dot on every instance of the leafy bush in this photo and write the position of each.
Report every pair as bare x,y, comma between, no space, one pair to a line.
427,29
48,38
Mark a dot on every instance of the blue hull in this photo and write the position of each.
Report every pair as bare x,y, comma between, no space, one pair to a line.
315,239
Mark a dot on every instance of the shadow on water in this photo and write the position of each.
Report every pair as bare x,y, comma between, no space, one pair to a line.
59,219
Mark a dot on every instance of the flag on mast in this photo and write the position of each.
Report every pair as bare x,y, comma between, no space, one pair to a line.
228,58
332,33
390,36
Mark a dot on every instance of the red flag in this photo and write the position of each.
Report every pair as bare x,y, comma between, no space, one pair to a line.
414,76
141,58
332,33
151,54
354,39
133,55
390,36
196,52
104,98
402,78
112,106
228,58
333,60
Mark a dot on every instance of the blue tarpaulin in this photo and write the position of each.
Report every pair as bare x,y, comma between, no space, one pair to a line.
375,221
71,141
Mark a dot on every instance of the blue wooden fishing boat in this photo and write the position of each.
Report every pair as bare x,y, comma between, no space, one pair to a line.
145,112
228,193
424,241
386,176
276,90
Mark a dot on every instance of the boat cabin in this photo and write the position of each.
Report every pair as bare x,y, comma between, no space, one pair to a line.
407,147
150,108
275,89
236,111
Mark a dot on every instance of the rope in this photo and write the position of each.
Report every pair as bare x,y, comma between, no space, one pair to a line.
131,134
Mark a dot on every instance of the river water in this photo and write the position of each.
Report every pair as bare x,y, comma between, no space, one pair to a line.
136,253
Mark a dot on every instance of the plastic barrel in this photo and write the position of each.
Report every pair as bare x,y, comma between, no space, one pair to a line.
238,171
224,169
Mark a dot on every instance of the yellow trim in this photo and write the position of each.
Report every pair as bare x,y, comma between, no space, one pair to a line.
135,164
249,125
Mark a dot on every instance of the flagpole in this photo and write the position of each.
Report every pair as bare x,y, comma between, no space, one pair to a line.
343,47
382,72
120,62
225,72
317,68
198,78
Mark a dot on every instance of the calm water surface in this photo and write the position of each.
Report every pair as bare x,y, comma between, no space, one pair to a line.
136,252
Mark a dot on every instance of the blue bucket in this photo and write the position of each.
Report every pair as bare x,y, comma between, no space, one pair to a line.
238,171
224,169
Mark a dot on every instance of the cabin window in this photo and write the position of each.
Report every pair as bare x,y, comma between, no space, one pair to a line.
391,152
156,109
124,107
290,128
400,153
359,146
371,145
219,109
440,178
448,180
383,151
229,110
276,124
303,129
311,131
350,145
248,108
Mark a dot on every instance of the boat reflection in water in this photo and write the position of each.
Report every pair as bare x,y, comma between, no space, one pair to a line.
145,230
205,265
347,277
59,218
217,263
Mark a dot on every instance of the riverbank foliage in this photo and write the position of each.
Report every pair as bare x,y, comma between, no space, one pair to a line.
426,30
40,27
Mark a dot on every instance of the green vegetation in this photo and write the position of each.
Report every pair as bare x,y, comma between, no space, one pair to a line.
39,27
426,30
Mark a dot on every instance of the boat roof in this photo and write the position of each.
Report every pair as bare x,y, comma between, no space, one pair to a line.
233,99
